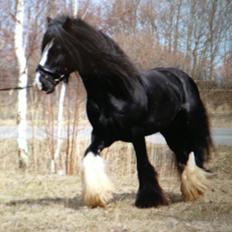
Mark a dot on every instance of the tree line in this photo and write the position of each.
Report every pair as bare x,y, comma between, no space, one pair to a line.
194,35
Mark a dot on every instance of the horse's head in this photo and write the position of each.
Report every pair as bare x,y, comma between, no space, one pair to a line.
74,45
55,64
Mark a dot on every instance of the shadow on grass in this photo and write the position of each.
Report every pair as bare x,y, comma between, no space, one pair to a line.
131,197
174,197
77,202
74,203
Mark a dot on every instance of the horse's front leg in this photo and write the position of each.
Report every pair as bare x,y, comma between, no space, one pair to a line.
96,186
150,193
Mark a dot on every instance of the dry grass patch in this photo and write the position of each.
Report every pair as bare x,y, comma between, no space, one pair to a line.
32,202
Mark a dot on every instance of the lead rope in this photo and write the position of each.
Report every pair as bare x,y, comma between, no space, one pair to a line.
15,88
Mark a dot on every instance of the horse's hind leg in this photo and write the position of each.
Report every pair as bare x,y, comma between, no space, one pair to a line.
181,138
96,186
150,193
194,182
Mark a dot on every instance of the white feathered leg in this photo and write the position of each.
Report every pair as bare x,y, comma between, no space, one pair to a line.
193,180
97,188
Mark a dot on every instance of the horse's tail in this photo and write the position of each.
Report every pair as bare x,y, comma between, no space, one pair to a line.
198,121
205,139
194,178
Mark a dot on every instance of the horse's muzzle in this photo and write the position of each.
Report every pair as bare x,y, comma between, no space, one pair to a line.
44,83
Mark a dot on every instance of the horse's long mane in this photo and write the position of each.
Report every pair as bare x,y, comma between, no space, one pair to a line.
90,47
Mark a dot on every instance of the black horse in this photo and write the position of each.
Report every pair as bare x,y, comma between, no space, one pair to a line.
125,104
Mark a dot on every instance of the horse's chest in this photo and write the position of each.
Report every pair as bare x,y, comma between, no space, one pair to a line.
109,120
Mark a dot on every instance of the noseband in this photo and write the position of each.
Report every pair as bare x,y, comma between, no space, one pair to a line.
57,77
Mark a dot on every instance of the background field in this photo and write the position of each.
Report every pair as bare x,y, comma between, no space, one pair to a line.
30,202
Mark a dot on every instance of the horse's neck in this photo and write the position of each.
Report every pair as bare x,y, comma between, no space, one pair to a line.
101,91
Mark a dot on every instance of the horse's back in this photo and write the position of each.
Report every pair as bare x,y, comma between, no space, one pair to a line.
165,95
176,82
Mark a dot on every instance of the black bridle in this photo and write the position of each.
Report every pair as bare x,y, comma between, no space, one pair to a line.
57,76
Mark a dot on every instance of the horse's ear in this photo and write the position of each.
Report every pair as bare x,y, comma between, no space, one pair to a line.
49,19
67,24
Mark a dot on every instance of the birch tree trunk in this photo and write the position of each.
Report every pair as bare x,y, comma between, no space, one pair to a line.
54,163
23,79
75,8
177,26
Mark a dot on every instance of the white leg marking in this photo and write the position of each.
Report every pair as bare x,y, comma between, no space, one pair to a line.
97,188
193,180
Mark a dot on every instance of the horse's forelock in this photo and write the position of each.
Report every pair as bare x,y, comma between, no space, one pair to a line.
54,30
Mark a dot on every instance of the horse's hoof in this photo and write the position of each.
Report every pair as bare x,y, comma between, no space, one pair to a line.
97,200
150,199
